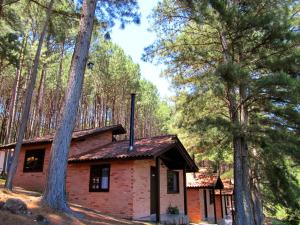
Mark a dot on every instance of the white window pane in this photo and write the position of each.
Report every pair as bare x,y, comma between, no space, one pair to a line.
104,183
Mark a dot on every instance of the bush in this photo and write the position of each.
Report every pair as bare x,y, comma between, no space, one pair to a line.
173,210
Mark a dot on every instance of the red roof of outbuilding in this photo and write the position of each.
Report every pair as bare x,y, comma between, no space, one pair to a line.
203,179
228,187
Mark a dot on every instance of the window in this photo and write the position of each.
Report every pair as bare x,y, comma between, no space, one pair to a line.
173,182
34,160
99,178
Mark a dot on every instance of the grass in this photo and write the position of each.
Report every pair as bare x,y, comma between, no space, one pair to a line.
227,175
2,181
278,222
33,202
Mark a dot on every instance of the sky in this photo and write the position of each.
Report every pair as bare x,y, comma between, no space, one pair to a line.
134,38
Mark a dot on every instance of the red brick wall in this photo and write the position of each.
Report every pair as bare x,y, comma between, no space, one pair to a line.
91,142
141,188
218,207
36,180
118,201
195,200
32,180
194,205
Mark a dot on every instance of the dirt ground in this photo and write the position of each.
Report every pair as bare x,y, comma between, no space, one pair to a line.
32,199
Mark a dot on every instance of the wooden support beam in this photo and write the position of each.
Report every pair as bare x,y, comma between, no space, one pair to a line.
226,199
205,203
222,213
232,212
157,162
215,211
184,191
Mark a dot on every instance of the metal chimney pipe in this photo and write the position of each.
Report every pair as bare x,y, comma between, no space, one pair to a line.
131,137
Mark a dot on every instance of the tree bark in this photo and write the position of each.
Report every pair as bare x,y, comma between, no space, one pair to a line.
54,193
39,104
58,89
26,107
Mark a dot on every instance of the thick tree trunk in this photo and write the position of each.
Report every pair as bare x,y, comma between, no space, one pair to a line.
256,202
242,194
26,107
239,120
54,194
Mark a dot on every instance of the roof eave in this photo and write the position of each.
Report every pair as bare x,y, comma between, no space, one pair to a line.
109,159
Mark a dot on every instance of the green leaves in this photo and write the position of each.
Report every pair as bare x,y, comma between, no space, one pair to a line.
235,67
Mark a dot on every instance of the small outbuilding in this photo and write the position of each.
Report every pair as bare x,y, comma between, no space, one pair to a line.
205,200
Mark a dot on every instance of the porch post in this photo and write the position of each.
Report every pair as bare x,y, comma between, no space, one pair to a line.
221,204
231,206
225,200
205,204
157,162
184,190
215,211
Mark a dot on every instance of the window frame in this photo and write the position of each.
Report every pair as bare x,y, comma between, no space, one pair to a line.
99,166
176,173
32,153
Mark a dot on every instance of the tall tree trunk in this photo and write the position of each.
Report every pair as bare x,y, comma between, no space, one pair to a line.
39,103
239,118
256,201
58,88
54,194
26,107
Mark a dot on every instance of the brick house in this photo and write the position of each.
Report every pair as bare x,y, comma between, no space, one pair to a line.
105,175
205,199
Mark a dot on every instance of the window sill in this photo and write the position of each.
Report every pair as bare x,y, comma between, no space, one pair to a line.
98,190
33,171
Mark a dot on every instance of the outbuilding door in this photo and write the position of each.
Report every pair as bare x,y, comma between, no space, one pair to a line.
153,190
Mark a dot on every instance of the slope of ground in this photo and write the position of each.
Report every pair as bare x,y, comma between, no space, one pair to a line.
32,199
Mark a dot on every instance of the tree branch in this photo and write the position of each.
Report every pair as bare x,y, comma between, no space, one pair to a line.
59,12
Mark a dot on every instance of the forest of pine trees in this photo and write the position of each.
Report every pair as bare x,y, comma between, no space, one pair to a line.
110,76
234,66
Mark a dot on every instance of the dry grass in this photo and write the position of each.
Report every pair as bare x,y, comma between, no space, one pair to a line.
32,199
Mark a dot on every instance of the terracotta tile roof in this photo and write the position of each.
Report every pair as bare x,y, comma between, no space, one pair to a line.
145,147
203,179
228,187
116,129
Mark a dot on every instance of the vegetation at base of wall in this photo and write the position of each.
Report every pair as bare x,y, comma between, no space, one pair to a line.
173,210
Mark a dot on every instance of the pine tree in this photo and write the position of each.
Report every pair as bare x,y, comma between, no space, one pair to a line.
54,194
223,47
